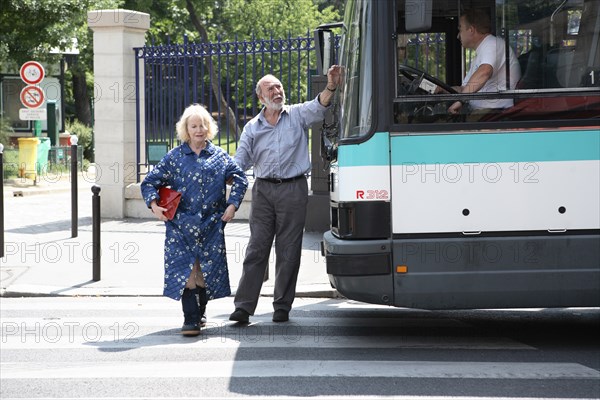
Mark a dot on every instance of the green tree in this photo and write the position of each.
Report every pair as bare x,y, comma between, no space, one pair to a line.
31,28
169,19
266,18
36,29
245,19
5,130
228,20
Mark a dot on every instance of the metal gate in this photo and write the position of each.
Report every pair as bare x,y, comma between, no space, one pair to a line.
222,76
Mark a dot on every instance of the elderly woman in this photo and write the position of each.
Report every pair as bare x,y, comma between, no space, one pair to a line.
195,256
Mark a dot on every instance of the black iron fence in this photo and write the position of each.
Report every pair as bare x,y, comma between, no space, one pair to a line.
220,75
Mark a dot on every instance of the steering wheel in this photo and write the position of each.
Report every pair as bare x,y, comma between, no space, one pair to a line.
416,76
428,112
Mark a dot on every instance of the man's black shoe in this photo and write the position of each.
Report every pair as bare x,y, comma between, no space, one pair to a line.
240,315
280,316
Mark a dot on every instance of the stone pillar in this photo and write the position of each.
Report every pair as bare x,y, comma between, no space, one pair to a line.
116,33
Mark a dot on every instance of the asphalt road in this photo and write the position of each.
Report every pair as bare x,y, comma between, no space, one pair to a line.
130,348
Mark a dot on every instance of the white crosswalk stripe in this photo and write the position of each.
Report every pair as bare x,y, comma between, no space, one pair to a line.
303,368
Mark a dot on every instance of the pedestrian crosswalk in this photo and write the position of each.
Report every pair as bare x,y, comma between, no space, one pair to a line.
106,332
115,344
302,368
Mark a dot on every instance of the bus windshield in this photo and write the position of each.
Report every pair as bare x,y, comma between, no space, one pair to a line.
355,56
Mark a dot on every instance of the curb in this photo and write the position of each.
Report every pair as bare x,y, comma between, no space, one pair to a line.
45,291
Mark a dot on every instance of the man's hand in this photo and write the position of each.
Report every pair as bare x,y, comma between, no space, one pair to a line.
455,108
334,76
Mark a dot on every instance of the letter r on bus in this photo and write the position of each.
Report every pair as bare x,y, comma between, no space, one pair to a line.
360,194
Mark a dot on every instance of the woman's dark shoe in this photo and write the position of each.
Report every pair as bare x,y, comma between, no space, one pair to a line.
191,312
190,329
240,315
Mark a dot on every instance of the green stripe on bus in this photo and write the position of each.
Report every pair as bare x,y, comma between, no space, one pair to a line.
375,151
475,148
497,147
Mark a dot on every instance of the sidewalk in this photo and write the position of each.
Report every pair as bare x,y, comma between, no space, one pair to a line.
42,259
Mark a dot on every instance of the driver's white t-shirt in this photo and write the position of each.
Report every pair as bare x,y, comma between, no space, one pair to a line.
492,51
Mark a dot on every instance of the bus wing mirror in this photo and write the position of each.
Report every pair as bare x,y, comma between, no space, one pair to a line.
324,50
325,46
418,15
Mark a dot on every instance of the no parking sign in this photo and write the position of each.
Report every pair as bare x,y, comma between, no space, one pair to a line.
32,96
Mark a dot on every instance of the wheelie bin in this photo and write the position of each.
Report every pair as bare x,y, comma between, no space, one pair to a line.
43,149
28,148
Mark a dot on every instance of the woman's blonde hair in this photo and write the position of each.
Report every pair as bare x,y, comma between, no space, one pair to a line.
200,111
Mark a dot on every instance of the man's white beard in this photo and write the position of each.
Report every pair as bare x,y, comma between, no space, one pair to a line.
275,106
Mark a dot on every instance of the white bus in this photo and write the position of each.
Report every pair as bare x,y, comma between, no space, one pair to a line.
439,211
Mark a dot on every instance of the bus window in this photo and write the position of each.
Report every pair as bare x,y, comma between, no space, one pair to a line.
558,69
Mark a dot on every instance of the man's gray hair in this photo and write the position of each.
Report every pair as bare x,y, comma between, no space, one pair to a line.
261,80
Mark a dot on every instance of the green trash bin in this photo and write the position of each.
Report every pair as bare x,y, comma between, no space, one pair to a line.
43,149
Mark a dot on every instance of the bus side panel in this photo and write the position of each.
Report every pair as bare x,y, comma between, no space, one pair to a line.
505,219
496,182
509,272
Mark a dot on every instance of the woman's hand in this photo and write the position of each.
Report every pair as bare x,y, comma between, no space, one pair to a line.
229,213
158,211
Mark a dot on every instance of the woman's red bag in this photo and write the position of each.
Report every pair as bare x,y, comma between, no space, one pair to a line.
169,199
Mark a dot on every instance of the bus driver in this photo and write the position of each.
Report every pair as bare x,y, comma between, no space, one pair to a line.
488,69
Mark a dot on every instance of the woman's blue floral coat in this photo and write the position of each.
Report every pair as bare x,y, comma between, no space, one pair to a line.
196,231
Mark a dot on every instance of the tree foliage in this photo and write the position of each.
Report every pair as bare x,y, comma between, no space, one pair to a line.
43,29
35,29
266,18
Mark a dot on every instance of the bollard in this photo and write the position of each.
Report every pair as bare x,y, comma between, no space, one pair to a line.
96,248
73,186
1,201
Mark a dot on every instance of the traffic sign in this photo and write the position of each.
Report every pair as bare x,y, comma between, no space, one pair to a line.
32,72
33,114
32,96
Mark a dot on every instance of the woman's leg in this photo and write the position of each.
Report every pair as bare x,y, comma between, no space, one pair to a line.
193,302
196,278
196,284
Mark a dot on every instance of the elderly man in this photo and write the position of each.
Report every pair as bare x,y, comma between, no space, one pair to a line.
275,142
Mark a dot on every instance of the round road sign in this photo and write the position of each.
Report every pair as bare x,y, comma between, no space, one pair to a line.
32,96
32,72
